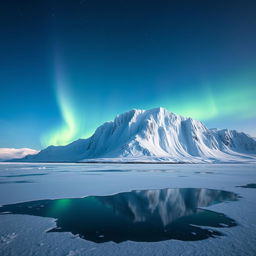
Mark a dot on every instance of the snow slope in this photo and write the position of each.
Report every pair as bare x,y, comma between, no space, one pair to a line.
11,153
155,135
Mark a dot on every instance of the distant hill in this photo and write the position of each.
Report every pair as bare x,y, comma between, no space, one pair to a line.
13,153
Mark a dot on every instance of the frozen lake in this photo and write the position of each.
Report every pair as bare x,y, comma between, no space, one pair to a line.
127,209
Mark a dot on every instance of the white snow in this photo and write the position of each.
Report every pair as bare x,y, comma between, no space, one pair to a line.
13,153
26,235
152,136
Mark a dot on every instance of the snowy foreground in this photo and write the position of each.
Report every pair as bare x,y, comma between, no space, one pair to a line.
26,235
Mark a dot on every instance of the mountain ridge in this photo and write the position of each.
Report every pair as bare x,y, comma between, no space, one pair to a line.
154,135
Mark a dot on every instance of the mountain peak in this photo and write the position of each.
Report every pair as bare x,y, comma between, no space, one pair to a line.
158,110
155,135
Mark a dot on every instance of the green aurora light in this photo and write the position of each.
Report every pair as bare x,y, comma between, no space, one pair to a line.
207,104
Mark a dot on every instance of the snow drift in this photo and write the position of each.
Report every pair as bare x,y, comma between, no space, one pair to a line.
154,135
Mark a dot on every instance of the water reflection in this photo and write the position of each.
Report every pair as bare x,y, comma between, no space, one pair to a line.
148,215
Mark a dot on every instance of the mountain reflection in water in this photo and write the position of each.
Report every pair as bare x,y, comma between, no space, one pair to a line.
146,216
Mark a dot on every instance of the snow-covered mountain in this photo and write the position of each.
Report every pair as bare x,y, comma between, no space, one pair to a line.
154,135
12,153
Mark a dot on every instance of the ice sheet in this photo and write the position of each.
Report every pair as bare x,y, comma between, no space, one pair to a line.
25,235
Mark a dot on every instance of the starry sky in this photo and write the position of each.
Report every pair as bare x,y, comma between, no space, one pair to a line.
67,66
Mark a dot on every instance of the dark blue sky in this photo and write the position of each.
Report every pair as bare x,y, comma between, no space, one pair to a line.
67,66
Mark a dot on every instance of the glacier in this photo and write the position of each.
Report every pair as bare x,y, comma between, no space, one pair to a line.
154,135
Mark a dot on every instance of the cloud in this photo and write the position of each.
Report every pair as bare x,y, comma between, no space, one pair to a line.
11,153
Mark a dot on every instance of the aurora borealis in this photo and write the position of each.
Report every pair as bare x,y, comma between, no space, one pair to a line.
68,66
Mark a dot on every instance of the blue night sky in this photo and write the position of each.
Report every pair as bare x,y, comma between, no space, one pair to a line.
67,66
